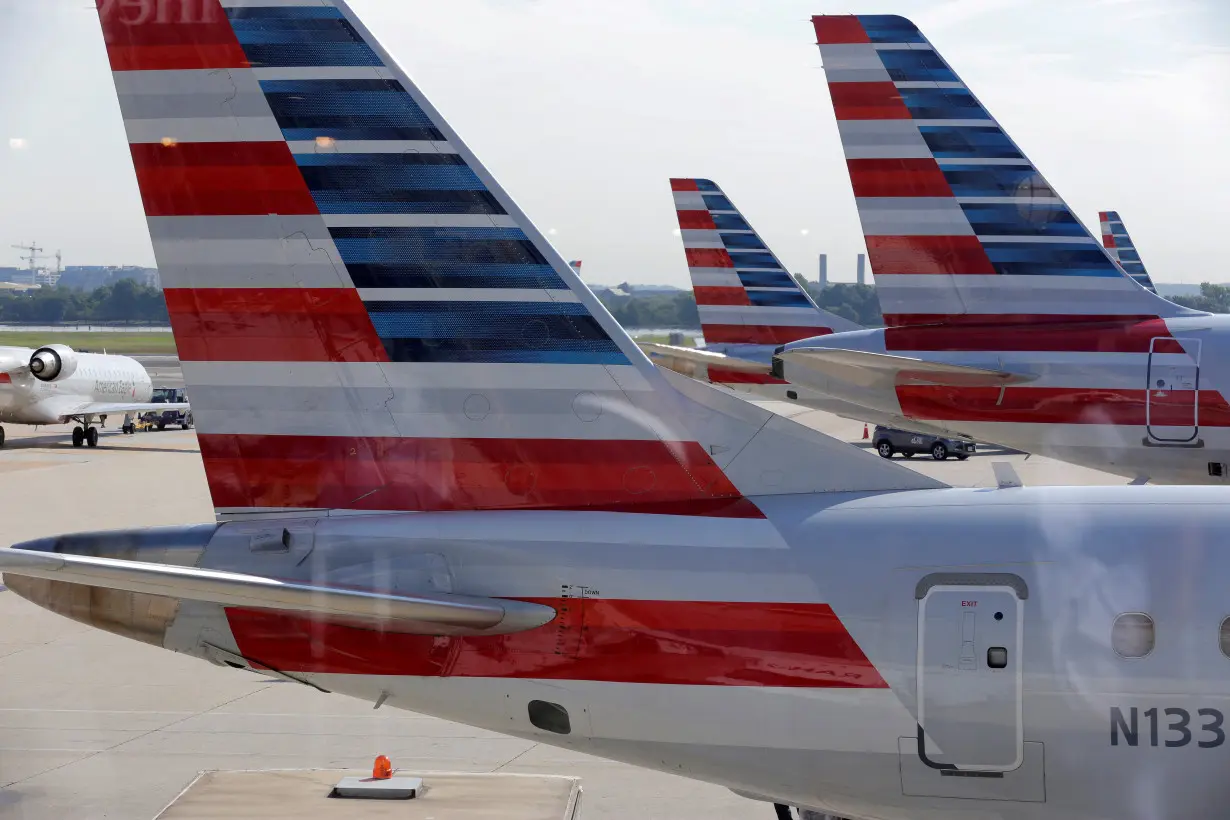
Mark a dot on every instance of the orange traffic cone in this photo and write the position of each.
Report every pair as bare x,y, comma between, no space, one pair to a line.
865,434
382,769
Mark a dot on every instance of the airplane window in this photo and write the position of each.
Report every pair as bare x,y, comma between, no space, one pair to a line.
1132,635
1224,637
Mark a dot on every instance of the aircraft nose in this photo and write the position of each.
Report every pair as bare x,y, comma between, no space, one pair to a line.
135,615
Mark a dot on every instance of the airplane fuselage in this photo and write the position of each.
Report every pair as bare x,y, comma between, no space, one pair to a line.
1143,399
792,657
98,377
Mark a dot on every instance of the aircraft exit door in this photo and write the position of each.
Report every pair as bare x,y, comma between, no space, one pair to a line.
1172,403
970,671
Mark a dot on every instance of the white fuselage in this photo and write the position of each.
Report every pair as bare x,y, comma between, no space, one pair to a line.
98,377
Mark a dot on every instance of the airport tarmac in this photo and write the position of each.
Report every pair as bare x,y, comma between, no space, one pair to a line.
96,726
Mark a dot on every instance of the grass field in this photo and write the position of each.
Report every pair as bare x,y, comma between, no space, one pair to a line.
128,344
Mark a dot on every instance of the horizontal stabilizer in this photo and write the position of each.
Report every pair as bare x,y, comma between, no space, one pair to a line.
690,355
434,614
867,369
101,407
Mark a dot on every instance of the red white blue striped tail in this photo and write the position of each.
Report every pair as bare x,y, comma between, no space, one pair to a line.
366,320
1118,242
744,294
960,226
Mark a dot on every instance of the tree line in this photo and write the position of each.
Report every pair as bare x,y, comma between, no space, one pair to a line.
1212,298
123,301
130,301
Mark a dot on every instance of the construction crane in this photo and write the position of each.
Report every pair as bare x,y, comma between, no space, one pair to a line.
34,254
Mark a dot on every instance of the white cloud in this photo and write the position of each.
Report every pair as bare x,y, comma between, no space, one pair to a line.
17,143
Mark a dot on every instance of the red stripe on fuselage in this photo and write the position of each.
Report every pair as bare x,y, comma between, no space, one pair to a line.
724,376
409,474
272,325
897,178
927,254
759,334
220,179
620,641
868,101
721,296
1091,334
696,221
1062,405
160,35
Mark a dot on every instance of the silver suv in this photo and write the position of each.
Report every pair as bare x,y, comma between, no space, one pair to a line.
889,440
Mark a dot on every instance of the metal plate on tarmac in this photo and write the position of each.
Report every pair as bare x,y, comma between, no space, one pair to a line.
303,794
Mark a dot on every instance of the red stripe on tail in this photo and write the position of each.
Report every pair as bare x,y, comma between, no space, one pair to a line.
721,296
684,185
696,220
897,177
927,254
836,30
161,35
420,474
272,325
708,258
674,643
220,179
868,101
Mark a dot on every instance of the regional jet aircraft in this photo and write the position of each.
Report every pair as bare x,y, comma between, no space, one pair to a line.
56,384
447,481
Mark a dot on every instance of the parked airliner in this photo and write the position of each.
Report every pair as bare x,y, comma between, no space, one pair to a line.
56,384
1007,322
447,481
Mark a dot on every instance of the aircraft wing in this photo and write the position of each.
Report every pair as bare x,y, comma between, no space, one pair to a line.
100,407
692,356
866,369
434,614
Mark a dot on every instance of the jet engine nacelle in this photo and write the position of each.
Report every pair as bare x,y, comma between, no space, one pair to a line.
53,363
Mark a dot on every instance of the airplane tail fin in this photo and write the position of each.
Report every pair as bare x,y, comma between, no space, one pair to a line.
366,320
1115,239
960,226
745,296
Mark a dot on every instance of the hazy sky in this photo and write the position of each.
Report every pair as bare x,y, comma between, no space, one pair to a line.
583,109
